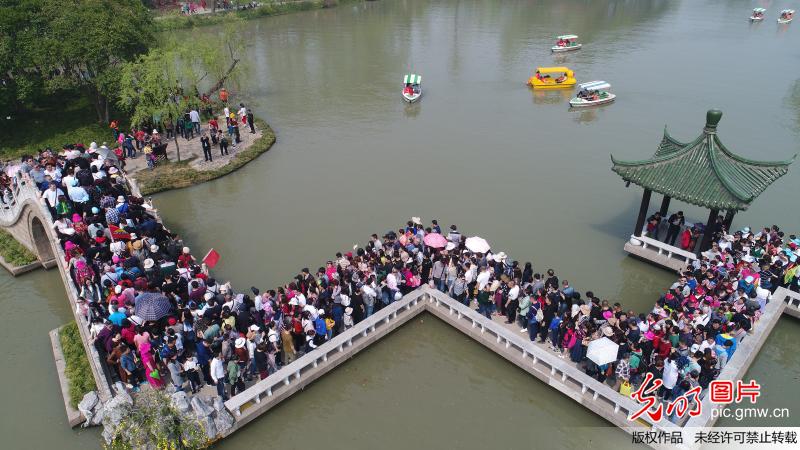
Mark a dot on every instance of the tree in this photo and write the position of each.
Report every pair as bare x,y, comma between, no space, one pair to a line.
164,83
70,44
149,90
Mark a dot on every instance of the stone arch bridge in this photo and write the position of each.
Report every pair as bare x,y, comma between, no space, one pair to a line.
24,217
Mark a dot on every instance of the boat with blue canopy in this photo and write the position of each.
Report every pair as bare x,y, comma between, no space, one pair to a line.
758,14
592,93
412,87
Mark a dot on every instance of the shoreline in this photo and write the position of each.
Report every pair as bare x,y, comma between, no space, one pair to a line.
271,9
179,175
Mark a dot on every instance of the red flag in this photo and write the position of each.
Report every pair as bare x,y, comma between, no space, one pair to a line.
211,259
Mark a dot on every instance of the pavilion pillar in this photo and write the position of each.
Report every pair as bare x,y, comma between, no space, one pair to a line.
729,219
664,206
642,212
706,243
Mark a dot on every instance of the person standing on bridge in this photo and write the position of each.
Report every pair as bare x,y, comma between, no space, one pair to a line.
218,374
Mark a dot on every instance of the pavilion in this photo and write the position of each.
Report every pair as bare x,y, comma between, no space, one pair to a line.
701,172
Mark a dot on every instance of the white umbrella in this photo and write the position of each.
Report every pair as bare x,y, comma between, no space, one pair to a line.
477,244
602,351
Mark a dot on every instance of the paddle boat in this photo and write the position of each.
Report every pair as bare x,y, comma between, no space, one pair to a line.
566,43
552,78
787,15
592,93
412,88
758,14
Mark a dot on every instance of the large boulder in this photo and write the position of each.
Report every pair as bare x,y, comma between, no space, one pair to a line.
224,421
87,406
202,407
219,405
119,388
97,417
209,426
180,402
116,408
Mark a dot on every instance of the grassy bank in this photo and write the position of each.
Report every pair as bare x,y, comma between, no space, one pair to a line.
180,175
78,371
13,252
269,8
69,121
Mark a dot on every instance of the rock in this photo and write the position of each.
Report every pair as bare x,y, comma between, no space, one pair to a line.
219,405
170,389
115,409
209,426
201,407
224,421
89,401
119,388
87,405
180,401
107,434
97,417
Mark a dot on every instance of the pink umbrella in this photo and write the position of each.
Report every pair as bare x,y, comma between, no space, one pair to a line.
434,240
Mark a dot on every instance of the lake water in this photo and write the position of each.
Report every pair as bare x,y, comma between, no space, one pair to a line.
480,150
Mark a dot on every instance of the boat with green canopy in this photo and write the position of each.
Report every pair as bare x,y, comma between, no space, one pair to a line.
412,87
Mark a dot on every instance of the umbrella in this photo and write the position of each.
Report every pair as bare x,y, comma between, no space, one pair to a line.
602,351
152,306
434,240
477,244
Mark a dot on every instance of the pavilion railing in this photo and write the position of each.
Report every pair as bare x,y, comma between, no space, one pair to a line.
664,249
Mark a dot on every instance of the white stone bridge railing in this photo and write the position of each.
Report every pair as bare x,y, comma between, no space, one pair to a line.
13,200
558,373
268,392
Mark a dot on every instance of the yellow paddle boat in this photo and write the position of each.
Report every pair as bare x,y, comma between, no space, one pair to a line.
552,78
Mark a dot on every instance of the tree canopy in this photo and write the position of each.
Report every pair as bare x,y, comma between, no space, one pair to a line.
48,46
167,80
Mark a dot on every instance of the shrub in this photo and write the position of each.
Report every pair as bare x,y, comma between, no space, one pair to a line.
78,372
13,252
153,422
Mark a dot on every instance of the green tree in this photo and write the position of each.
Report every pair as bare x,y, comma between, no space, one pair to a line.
150,90
164,83
50,46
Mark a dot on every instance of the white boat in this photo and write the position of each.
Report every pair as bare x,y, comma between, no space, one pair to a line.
566,43
592,93
412,87
787,15
758,14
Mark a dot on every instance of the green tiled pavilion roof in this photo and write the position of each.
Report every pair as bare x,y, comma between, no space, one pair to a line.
702,172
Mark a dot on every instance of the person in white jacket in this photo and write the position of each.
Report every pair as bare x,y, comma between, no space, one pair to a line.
670,377
218,375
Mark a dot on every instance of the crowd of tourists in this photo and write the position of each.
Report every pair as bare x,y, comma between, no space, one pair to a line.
157,315
220,132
